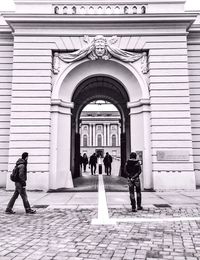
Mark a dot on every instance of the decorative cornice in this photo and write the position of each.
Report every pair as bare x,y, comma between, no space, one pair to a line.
51,24
39,18
139,103
60,103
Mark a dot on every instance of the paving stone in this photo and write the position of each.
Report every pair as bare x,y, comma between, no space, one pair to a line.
68,234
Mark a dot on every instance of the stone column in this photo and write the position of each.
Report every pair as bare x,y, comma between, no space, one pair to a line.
94,135
108,134
140,138
60,174
90,135
104,134
147,163
119,134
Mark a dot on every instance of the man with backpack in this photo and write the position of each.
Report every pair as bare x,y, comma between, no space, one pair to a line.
133,170
19,176
107,163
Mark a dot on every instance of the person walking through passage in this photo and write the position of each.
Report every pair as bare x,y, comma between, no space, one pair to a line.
85,161
93,163
80,162
133,170
107,163
20,186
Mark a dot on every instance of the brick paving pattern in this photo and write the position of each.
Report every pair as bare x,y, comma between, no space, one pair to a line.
68,234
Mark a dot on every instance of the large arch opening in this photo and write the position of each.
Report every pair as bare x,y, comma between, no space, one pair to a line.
111,91
83,82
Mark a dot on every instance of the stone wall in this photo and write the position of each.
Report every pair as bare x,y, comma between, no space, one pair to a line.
194,81
6,65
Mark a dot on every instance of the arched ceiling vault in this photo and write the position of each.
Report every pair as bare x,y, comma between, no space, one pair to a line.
100,87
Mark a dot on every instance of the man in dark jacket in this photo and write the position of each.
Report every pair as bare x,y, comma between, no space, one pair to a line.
93,163
20,186
133,170
107,163
85,161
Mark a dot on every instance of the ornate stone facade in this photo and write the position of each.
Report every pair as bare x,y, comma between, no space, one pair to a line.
56,58
100,131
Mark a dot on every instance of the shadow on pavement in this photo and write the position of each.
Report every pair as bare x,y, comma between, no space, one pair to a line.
90,184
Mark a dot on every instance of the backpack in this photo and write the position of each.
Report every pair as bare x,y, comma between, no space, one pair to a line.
14,175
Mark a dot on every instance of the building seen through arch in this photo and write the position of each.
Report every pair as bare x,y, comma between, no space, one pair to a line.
100,130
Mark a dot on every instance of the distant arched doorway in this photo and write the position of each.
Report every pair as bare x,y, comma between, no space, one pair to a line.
93,88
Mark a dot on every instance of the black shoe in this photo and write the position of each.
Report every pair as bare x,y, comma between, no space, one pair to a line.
9,211
134,210
140,208
30,211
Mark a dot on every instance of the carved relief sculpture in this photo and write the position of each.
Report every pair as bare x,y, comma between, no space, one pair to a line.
101,48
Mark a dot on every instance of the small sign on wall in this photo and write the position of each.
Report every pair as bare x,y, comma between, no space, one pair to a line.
173,155
140,156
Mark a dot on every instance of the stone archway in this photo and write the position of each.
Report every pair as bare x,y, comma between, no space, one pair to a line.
109,89
124,78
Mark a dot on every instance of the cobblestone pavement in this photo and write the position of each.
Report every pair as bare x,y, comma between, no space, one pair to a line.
68,234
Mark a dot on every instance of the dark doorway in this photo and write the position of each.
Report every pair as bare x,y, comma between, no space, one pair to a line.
99,152
99,88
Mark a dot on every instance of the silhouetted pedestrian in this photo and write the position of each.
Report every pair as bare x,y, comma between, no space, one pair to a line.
20,186
80,162
133,170
107,163
85,161
93,163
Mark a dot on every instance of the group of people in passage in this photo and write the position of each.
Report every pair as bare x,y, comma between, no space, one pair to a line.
132,170
94,160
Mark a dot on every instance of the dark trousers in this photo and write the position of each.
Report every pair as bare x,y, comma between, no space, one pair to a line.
135,186
84,166
93,168
108,169
19,190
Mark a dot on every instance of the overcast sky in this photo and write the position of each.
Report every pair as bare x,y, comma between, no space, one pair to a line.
190,5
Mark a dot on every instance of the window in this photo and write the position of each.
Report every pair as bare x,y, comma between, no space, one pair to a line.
85,140
65,10
125,9
134,10
99,127
99,10
108,10
74,10
143,10
99,140
91,10
85,127
56,10
82,10
117,10
114,140
113,127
